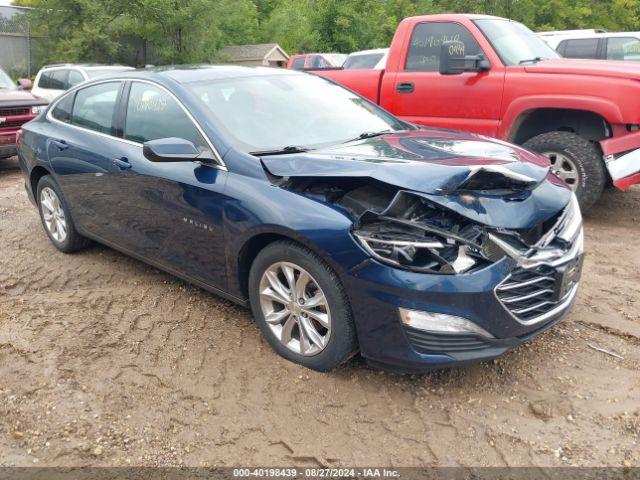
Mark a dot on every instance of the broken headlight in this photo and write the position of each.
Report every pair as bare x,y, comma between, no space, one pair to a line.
418,249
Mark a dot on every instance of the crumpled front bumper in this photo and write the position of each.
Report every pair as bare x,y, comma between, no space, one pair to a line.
622,158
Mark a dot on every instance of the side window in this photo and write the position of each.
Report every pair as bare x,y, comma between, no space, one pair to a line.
62,111
298,63
75,77
59,79
581,48
623,48
426,40
95,106
45,80
152,113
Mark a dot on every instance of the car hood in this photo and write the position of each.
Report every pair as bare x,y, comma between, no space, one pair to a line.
19,97
484,179
617,69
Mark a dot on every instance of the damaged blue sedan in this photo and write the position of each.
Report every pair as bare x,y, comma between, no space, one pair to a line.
343,228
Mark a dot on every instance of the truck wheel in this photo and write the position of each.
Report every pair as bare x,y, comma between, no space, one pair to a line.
575,160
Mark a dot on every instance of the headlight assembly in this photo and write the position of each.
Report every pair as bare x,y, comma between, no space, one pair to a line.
419,251
38,109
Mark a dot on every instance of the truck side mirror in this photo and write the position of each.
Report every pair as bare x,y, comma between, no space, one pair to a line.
453,61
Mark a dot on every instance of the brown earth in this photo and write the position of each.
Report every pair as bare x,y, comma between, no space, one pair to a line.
106,361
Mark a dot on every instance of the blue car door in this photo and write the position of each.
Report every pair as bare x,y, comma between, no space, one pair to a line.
81,148
171,212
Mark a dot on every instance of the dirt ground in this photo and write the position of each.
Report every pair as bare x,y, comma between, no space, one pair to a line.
106,361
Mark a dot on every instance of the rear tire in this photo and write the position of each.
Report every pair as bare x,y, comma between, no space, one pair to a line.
582,155
56,217
312,325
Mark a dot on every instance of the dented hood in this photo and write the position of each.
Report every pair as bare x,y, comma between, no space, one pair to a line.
490,181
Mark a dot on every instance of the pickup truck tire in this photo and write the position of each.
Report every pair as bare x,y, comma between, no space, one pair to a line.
55,212
583,156
289,319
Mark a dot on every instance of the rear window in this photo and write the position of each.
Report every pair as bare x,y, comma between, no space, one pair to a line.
362,62
54,79
100,72
579,48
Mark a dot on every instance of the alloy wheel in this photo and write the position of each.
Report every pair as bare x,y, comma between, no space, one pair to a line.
295,308
565,168
53,214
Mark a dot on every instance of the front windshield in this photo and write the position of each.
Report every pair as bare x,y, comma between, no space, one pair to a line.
5,81
270,112
515,43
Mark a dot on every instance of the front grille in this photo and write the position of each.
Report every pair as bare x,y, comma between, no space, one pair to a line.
12,125
7,112
436,343
530,293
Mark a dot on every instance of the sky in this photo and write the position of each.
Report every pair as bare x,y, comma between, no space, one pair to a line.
6,2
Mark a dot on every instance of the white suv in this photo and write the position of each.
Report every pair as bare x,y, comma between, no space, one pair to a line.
53,80
595,44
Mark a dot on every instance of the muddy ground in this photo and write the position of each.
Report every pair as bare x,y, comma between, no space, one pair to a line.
106,361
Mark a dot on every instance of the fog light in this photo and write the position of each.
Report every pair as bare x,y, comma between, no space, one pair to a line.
440,322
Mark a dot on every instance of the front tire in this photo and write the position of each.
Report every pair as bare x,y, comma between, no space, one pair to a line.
300,306
56,217
576,160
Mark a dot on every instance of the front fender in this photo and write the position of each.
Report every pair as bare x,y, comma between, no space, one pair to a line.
516,111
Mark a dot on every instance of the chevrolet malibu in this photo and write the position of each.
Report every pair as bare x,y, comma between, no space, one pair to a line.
344,228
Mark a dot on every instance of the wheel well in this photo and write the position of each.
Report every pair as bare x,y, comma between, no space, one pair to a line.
249,252
587,124
36,174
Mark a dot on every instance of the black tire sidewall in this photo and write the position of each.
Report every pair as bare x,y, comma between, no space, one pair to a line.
342,341
592,175
73,240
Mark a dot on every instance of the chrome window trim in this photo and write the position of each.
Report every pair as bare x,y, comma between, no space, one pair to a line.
218,159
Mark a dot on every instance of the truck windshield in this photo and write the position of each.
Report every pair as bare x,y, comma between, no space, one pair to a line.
515,43
5,81
273,112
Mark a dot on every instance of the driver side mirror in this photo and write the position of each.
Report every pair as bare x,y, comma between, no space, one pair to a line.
453,61
25,84
170,150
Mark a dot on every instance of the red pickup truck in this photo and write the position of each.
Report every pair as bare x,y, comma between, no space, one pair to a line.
495,77
17,107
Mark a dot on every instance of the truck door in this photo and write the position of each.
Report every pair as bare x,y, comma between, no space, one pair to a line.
470,101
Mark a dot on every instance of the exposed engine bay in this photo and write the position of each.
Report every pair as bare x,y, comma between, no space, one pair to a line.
410,231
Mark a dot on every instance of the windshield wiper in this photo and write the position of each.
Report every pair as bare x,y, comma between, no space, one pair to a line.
281,151
531,60
364,135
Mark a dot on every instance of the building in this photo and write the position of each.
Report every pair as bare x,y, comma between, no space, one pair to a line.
265,54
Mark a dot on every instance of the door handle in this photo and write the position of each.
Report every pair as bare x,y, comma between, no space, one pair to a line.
405,87
61,144
122,163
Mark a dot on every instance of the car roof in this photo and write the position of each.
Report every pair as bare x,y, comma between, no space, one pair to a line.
585,35
85,66
199,73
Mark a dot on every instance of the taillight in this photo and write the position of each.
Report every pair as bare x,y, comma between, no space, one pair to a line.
19,136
